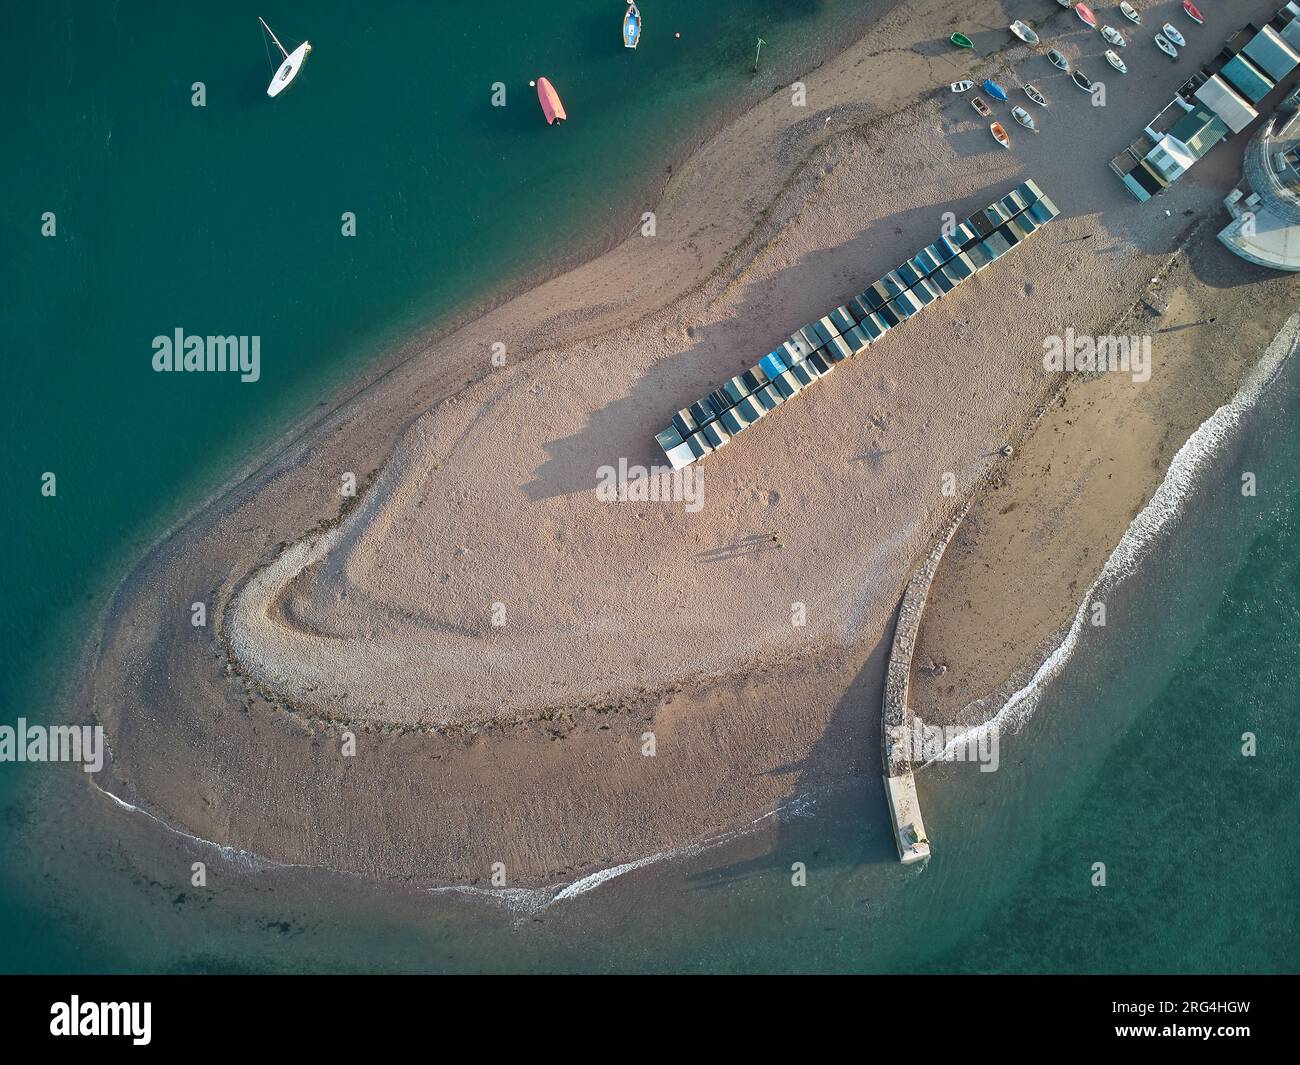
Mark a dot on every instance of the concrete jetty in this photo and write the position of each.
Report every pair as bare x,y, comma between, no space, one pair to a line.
896,752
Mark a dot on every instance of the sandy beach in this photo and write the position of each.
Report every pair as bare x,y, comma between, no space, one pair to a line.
499,640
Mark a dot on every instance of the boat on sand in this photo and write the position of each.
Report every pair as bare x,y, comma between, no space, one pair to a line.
1058,60
1193,12
1082,80
1112,57
1032,92
999,134
1163,44
1085,15
995,90
961,40
1130,12
1114,36
1169,30
1023,31
981,108
961,86
1024,118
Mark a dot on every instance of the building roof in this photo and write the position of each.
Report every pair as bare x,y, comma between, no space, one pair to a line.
1272,54
1247,78
1200,129
1225,102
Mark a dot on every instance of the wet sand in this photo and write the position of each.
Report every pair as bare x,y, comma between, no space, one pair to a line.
524,743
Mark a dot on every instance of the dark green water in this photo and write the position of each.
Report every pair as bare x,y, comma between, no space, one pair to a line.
225,219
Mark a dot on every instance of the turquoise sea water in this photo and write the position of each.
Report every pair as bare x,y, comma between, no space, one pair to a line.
225,219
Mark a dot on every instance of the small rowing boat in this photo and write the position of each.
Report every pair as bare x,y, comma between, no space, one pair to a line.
1085,15
1058,60
961,40
961,86
999,134
631,26
1082,80
1114,36
552,108
1024,118
1032,92
1112,57
994,89
1174,36
1024,32
1193,12
1130,12
1163,44
981,108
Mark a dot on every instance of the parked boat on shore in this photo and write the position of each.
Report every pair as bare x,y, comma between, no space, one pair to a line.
1171,32
1163,44
1000,134
1024,118
1085,15
1112,57
1114,36
1193,12
1130,12
981,108
1032,92
1082,80
961,86
961,40
995,90
1058,60
1024,32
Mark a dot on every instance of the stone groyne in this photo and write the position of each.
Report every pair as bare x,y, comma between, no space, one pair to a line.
900,784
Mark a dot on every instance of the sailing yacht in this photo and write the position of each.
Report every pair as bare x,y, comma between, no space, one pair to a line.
293,62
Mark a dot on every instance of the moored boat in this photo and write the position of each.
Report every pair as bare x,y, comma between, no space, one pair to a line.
1024,118
1032,92
1058,60
631,26
1172,33
1114,36
1130,12
1193,12
1112,57
552,108
1067,4
1085,15
1023,31
999,134
292,65
981,108
1082,80
1163,44
994,89
961,86
961,40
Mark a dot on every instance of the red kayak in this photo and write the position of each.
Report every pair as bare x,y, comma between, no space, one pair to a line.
1085,14
1193,13
552,108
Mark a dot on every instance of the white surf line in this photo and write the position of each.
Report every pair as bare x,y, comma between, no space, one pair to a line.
534,900
1165,504
233,854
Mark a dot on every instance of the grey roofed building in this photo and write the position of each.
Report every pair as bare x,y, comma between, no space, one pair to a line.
1265,226
1269,52
1227,103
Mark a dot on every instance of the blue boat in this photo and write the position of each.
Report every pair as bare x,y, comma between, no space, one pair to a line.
994,89
631,27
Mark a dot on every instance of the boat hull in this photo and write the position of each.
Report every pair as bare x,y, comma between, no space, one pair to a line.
1085,15
289,69
552,108
1193,13
631,27
1172,35
999,134
1166,47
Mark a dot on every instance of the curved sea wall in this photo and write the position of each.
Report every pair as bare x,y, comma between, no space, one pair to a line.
900,785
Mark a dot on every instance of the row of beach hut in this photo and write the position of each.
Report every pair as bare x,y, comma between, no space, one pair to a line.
813,351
